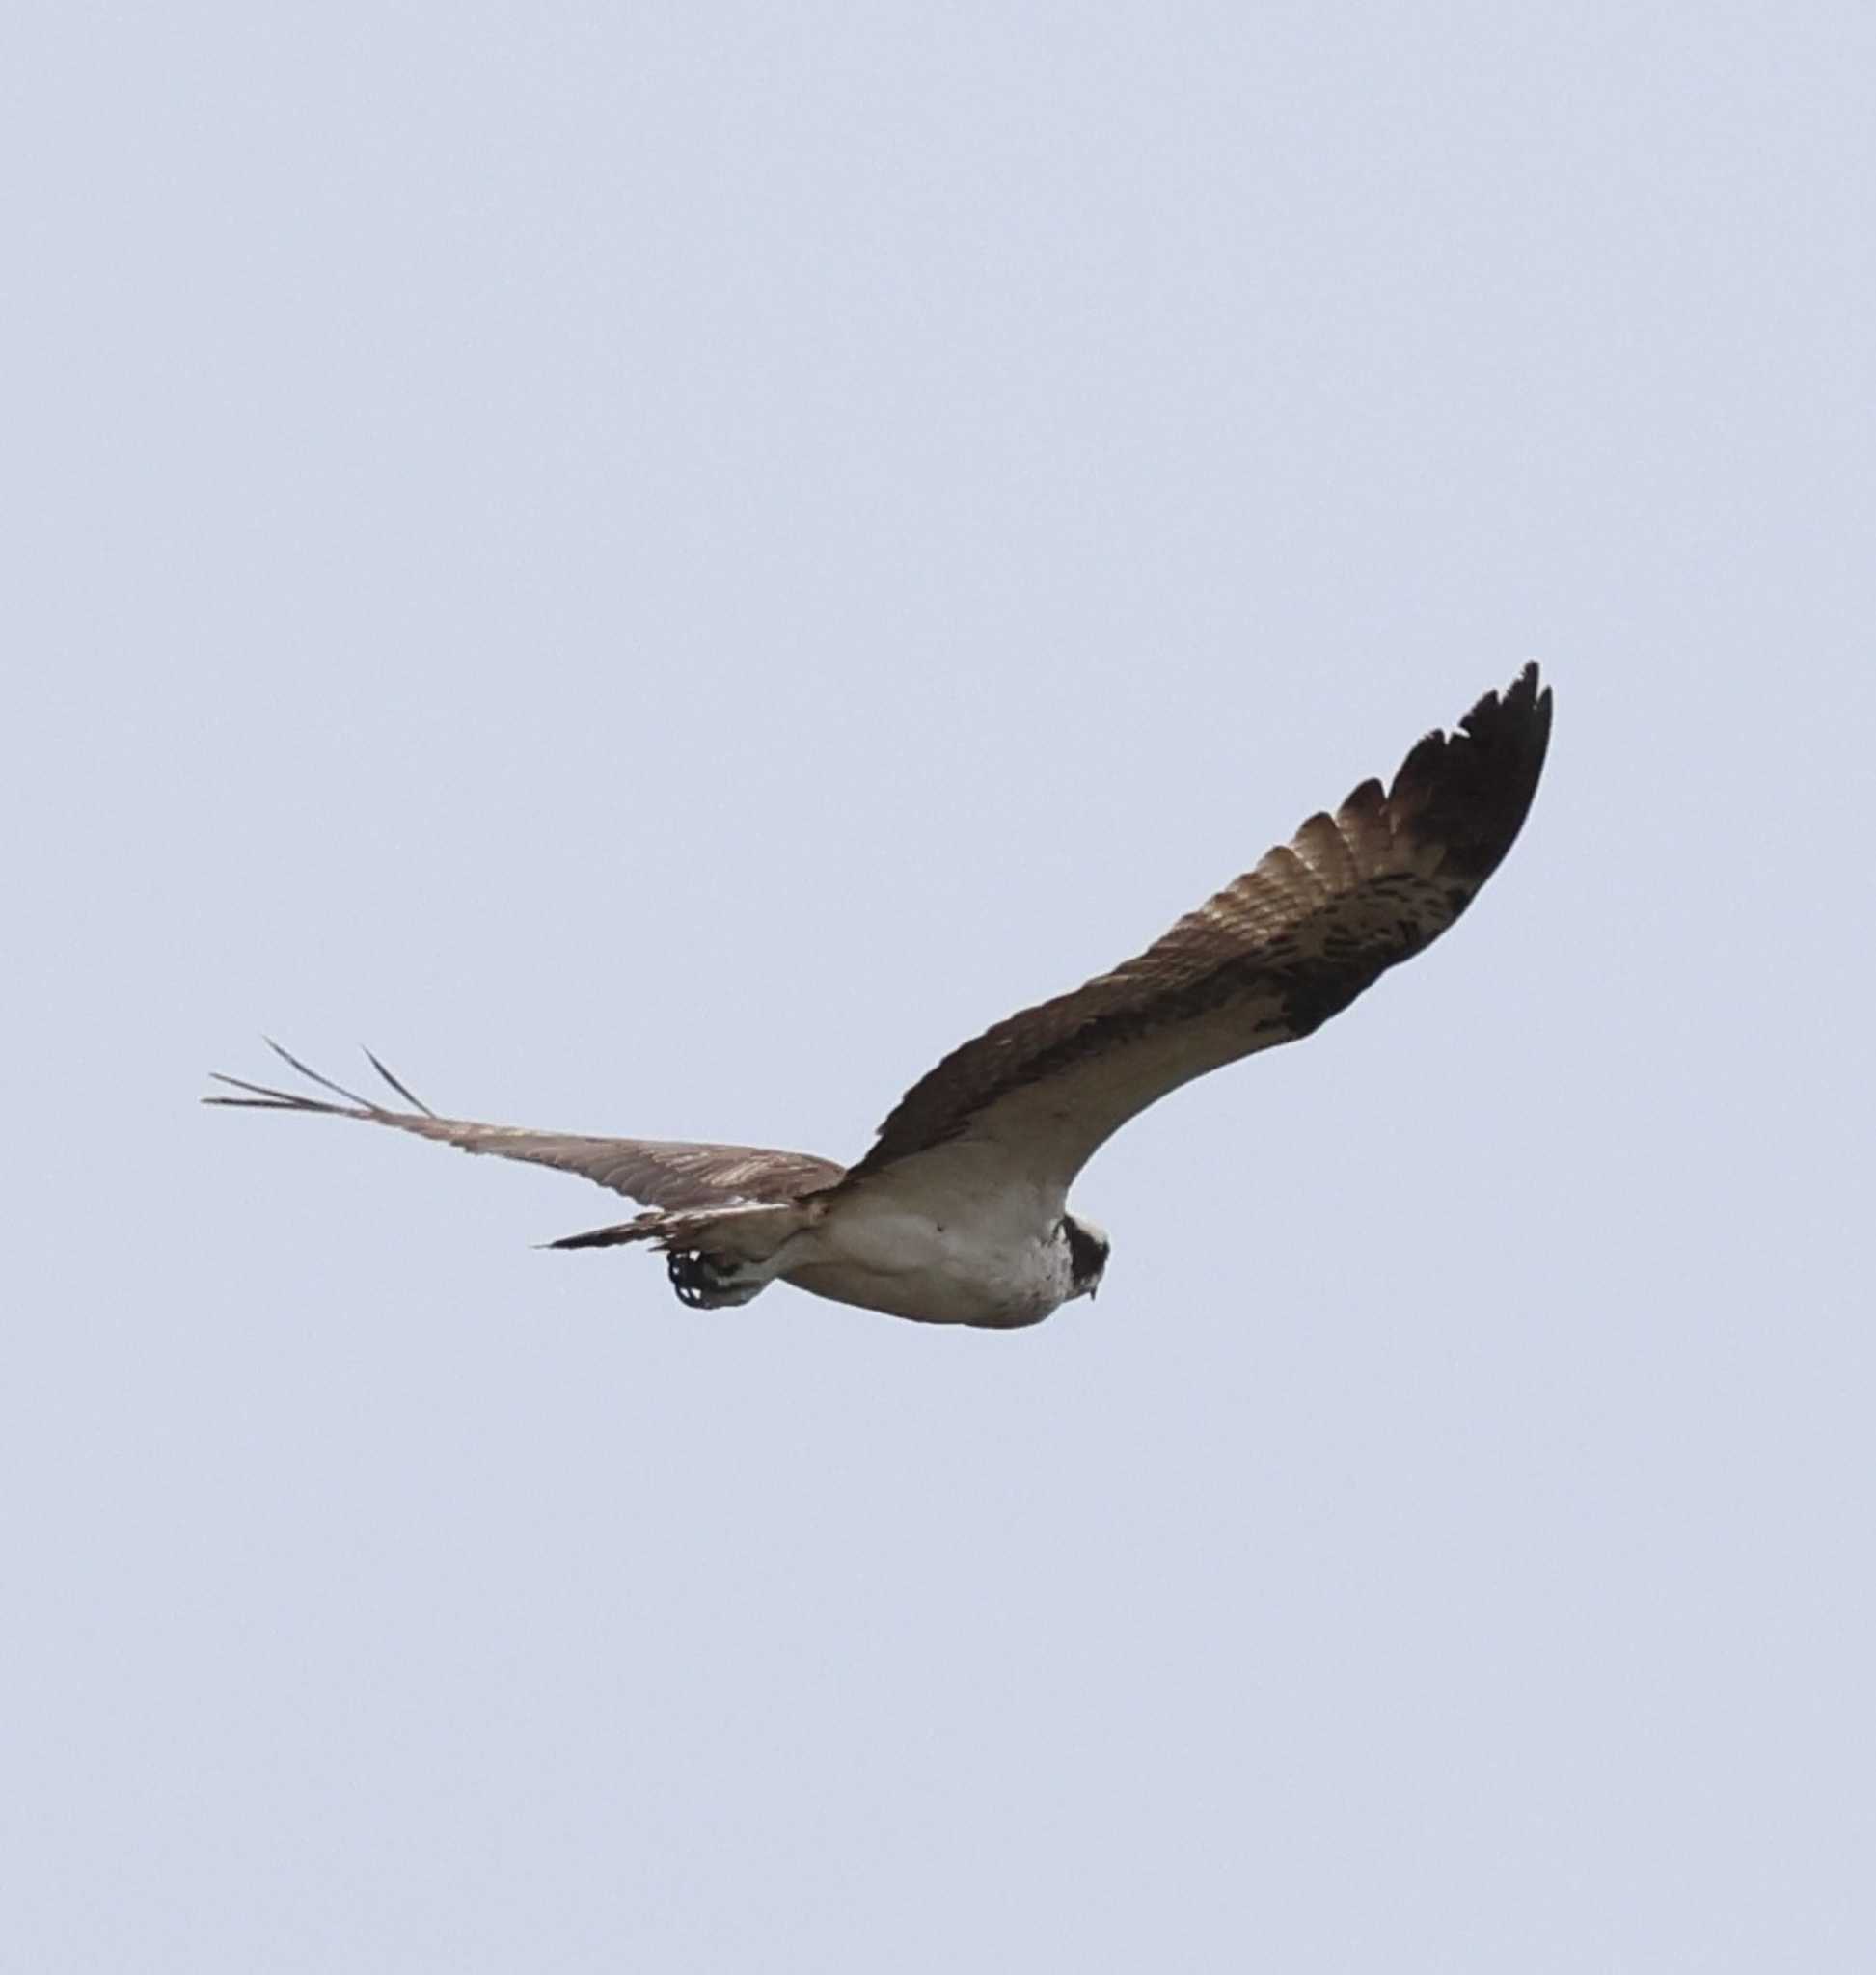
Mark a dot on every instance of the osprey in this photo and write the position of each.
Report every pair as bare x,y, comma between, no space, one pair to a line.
959,1213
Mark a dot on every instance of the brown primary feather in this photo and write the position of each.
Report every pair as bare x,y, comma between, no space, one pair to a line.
1265,961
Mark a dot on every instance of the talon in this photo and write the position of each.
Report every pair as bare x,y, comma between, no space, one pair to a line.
706,1282
695,1277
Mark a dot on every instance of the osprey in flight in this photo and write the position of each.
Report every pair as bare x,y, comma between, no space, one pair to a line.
959,1213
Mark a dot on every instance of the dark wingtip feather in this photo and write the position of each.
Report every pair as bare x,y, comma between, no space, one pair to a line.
263,1096
1365,798
1471,789
287,1056
409,1097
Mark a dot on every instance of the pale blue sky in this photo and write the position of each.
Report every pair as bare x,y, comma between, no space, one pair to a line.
664,567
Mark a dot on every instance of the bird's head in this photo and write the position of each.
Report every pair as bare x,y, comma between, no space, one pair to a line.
1087,1246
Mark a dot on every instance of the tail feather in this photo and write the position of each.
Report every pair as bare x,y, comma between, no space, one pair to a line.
640,1228
750,1233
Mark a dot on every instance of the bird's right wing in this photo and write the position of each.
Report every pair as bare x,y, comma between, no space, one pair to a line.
1268,960
660,1172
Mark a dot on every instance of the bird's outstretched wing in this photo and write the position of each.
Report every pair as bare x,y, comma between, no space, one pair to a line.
1266,960
659,1172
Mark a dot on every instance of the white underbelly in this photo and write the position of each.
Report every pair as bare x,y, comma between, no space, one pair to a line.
908,1264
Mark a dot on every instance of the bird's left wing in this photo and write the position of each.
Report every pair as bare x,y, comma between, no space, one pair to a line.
1266,960
660,1172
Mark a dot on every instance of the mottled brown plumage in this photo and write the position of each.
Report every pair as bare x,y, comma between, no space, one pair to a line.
661,1173
1265,961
